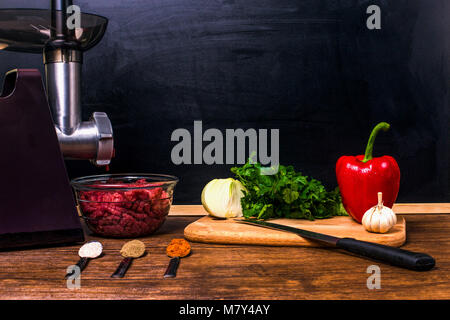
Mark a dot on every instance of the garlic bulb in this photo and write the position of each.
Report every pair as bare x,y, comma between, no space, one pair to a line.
222,198
379,218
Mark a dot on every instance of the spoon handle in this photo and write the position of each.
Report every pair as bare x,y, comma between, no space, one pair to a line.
122,268
171,271
82,263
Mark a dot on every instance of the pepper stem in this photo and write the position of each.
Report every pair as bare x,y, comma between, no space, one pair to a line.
369,148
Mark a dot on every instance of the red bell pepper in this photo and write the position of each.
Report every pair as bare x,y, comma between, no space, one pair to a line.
361,177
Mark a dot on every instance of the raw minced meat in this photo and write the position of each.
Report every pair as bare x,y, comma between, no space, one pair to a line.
129,213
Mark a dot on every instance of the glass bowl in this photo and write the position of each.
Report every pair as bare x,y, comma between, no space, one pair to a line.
124,205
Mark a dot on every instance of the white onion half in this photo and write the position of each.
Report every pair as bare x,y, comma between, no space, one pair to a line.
222,198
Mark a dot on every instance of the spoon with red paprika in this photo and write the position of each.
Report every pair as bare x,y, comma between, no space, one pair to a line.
178,248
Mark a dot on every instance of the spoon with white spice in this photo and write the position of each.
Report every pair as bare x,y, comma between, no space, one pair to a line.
90,250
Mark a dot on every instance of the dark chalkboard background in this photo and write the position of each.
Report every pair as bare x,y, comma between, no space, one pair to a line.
309,67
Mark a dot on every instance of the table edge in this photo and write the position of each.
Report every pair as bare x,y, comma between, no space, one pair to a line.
399,208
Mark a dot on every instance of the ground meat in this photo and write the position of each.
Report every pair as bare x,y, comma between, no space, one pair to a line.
131,213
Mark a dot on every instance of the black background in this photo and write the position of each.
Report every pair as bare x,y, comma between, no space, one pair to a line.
309,67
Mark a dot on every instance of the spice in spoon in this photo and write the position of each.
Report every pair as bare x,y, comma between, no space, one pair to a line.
133,249
178,248
89,250
130,250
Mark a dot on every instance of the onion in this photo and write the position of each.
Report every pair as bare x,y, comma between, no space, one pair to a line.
222,198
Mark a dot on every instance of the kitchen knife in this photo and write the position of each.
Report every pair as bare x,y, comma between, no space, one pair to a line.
395,256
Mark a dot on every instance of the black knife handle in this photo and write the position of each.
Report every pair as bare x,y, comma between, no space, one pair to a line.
395,256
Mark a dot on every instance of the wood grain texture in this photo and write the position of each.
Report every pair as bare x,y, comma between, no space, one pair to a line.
231,271
210,230
399,208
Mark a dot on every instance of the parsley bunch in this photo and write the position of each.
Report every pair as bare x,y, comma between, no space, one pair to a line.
286,194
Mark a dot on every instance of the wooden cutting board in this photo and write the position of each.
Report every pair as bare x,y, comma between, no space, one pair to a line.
210,230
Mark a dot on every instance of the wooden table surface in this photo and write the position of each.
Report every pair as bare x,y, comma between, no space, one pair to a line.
235,271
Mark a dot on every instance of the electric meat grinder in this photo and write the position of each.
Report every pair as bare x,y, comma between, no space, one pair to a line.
38,127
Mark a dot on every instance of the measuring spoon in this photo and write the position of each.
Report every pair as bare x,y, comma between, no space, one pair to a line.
178,248
130,250
90,250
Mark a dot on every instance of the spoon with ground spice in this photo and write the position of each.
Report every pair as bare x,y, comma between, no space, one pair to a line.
178,248
90,250
130,250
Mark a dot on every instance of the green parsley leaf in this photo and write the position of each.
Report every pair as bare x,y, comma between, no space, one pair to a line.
286,194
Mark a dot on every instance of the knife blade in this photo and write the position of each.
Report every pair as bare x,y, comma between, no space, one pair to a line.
395,256
304,233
